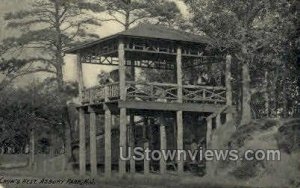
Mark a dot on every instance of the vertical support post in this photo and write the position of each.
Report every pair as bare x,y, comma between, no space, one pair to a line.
209,133
80,78
108,120
123,117
218,121
82,144
163,144
107,137
209,164
179,119
228,86
93,142
132,127
179,75
146,146
132,145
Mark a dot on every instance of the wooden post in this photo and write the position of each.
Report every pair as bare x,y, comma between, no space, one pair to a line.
163,144
179,119
132,128
131,142
123,117
209,133
80,78
108,120
146,146
93,142
228,86
82,143
107,132
218,121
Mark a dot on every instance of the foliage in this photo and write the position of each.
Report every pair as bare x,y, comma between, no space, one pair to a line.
40,107
130,12
47,28
262,37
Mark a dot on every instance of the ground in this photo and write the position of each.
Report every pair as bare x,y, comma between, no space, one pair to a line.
136,181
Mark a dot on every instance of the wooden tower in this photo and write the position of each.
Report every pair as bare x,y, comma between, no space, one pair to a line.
150,47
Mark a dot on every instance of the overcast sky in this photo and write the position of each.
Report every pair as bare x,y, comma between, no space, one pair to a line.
90,71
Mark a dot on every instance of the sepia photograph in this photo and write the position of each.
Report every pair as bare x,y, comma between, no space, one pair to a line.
149,94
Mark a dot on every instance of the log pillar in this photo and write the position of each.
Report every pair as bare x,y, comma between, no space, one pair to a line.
163,144
82,141
123,117
180,162
218,121
146,146
228,86
107,136
132,143
209,133
93,142
107,147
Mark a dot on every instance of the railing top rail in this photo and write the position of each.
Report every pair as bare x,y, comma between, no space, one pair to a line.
204,87
152,83
175,85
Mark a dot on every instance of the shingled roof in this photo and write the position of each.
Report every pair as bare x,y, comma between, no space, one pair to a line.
162,32
150,31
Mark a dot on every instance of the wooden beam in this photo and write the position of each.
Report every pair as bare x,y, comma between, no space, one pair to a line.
122,70
228,86
179,119
107,147
82,143
80,78
218,121
179,75
123,130
123,117
161,106
163,144
146,145
131,143
208,133
93,143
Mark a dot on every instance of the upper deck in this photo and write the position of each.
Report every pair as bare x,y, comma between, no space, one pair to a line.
155,92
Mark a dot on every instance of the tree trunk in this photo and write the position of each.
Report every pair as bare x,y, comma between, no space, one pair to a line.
32,148
266,95
127,20
246,98
59,48
284,92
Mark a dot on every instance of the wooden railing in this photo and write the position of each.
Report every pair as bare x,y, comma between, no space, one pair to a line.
99,93
159,92
192,93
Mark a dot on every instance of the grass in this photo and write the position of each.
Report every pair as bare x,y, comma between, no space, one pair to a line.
127,181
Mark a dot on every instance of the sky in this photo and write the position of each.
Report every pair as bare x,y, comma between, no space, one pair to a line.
90,72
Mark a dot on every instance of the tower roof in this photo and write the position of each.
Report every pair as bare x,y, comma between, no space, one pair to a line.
149,31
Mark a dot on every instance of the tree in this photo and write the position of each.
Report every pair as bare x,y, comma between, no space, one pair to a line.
47,28
40,113
130,12
253,31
